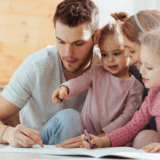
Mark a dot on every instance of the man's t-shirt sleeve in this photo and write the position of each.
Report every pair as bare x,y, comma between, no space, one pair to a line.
18,91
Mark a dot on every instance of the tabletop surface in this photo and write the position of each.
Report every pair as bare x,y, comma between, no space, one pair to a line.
35,156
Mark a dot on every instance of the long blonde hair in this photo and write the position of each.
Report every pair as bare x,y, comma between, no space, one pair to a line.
149,19
151,39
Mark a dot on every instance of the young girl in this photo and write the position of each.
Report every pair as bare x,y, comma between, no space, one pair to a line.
150,70
114,94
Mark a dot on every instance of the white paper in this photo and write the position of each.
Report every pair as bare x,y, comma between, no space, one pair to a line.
127,152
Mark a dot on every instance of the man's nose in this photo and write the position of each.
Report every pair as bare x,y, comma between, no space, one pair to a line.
69,52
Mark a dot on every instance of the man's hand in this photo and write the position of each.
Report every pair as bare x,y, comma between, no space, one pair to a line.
75,142
21,136
60,93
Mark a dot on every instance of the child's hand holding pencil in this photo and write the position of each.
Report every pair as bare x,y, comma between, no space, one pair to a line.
90,141
60,94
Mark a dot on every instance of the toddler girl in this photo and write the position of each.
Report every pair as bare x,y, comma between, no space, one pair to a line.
114,94
150,70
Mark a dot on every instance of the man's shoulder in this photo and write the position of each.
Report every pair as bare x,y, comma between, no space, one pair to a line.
45,55
47,52
46,58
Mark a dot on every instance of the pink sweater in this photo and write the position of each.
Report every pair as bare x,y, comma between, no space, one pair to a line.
150,107
110,102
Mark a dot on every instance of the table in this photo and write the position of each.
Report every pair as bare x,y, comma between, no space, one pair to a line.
35,156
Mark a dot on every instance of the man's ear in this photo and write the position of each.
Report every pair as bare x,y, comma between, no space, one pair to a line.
97,36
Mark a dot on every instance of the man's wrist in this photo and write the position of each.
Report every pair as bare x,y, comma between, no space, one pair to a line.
5,136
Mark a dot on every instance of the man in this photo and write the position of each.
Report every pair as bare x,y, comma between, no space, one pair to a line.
30,88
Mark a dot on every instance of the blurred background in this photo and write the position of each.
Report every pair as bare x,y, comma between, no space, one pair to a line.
26,26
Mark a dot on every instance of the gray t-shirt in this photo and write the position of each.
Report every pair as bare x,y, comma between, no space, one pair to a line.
32,85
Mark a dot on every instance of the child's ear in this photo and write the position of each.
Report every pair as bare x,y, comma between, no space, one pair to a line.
97,36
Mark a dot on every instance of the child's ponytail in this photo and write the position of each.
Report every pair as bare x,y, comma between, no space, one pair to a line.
113,28
122,16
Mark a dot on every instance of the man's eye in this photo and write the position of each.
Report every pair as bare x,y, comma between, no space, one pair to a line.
79,44
117,53
61,42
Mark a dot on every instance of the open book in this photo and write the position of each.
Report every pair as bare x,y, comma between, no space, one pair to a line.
127,152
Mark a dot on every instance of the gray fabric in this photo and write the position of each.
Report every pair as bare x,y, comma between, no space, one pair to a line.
32,85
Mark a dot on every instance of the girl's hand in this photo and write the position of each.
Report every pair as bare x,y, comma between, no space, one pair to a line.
21,136
60,93
97,142
152,147
74,142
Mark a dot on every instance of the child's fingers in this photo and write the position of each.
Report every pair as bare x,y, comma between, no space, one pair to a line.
82,146
63,93
84,138
92,136
152,147
96,143
86,145
155,149
145,148
55,95
85,142
149,147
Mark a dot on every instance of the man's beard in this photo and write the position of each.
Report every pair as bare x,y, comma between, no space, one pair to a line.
84,62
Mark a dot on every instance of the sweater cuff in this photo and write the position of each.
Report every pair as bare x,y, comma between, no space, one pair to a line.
113,139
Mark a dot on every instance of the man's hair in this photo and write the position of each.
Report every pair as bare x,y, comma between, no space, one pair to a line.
75,12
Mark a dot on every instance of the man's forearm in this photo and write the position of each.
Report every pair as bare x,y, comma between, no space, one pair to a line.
13,121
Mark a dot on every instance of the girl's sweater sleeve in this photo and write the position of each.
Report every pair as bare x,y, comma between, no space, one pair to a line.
79,84
131,129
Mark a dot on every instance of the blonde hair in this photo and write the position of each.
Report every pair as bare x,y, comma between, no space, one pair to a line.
113,28
151,39
149,19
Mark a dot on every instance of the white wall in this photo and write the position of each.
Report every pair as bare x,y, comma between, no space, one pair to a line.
147,4
107,7
130,6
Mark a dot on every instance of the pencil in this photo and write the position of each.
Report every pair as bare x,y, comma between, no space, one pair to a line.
86,133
